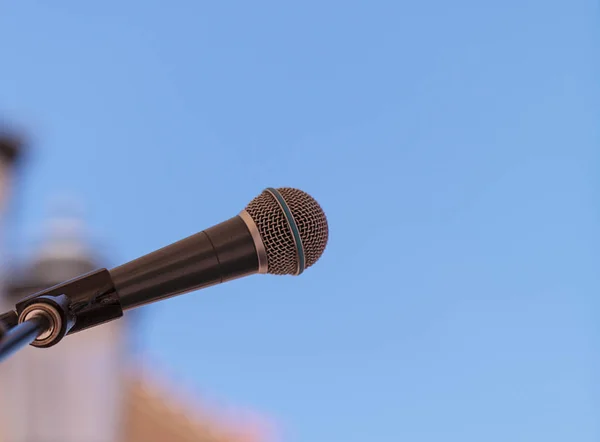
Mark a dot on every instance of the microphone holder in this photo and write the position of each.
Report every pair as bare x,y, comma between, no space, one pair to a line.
45,318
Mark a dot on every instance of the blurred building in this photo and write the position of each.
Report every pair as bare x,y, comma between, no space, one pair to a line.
84,390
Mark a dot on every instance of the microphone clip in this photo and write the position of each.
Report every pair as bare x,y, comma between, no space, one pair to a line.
45,318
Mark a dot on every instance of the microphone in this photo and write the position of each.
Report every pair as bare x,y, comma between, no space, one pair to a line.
282,231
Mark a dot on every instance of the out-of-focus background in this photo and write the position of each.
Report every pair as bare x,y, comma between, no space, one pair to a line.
453,146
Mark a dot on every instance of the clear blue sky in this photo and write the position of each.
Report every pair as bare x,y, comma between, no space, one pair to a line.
453,145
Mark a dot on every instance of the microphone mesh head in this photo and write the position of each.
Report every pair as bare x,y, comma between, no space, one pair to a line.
277,233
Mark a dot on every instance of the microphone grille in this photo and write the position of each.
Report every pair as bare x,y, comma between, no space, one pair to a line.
285,217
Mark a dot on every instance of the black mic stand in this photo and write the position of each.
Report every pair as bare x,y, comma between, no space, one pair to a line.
46,317
20,335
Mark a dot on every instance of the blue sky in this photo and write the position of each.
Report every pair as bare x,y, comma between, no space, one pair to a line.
453,146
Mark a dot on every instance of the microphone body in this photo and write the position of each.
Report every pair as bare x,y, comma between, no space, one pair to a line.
218,254
281,232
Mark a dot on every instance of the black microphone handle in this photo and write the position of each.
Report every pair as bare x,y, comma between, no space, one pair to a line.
218,254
